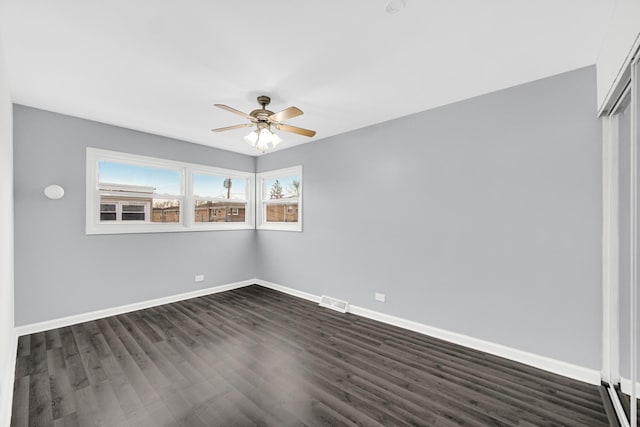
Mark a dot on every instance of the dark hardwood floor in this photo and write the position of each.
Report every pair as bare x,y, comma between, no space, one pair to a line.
254,356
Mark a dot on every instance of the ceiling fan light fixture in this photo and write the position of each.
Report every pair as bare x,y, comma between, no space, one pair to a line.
252,138
263,140
275,140
265,135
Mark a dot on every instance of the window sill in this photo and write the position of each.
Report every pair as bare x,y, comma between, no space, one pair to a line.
281,227
161,228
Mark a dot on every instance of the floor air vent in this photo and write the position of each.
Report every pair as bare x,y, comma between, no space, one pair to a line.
334,304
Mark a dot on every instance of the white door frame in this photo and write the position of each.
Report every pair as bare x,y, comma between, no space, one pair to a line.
610,251
633,289
610,241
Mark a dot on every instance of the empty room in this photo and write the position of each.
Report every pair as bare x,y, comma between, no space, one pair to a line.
371,213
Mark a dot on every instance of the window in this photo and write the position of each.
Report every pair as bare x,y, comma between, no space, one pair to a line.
138,192
221,198
108,212
135,194
123,211
280,199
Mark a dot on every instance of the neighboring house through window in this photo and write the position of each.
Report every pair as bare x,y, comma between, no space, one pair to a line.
128,193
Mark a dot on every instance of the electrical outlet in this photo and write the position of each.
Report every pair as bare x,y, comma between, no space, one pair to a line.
199,278
380,297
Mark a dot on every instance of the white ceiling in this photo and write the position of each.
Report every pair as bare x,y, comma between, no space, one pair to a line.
159,66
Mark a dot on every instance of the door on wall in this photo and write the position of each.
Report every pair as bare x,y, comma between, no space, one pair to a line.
620,247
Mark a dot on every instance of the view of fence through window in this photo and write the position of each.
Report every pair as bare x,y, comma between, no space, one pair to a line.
135,193
281,197
219,198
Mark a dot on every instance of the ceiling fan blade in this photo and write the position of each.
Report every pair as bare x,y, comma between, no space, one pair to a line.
234,111
294,129
286,114
246,125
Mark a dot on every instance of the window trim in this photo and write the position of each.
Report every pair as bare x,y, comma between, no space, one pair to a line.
93,225
249,209
261,223
119,210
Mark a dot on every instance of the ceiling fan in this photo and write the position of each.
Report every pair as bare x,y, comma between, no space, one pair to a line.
263,119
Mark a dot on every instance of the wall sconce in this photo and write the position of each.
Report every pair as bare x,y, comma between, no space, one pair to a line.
54,192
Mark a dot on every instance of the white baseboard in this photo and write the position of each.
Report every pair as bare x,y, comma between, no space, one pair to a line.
6,383
625,386
559,367
555,366
99,314
287,290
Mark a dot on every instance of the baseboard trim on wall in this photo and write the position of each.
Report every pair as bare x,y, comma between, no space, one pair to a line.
555,366
559,367
99,314
287,290
625,386
6,384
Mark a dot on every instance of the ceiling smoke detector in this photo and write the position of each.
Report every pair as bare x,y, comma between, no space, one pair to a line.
395,6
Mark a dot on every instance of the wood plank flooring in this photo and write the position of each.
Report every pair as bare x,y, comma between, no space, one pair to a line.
254,356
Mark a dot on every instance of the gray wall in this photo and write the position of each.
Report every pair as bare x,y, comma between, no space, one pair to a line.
60,271
481,217
7,341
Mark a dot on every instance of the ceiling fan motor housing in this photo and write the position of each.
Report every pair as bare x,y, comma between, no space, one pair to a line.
262,114
264,100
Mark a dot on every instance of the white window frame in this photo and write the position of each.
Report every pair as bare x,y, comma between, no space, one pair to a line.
93,225
249,218
262,202
114,211
119,204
